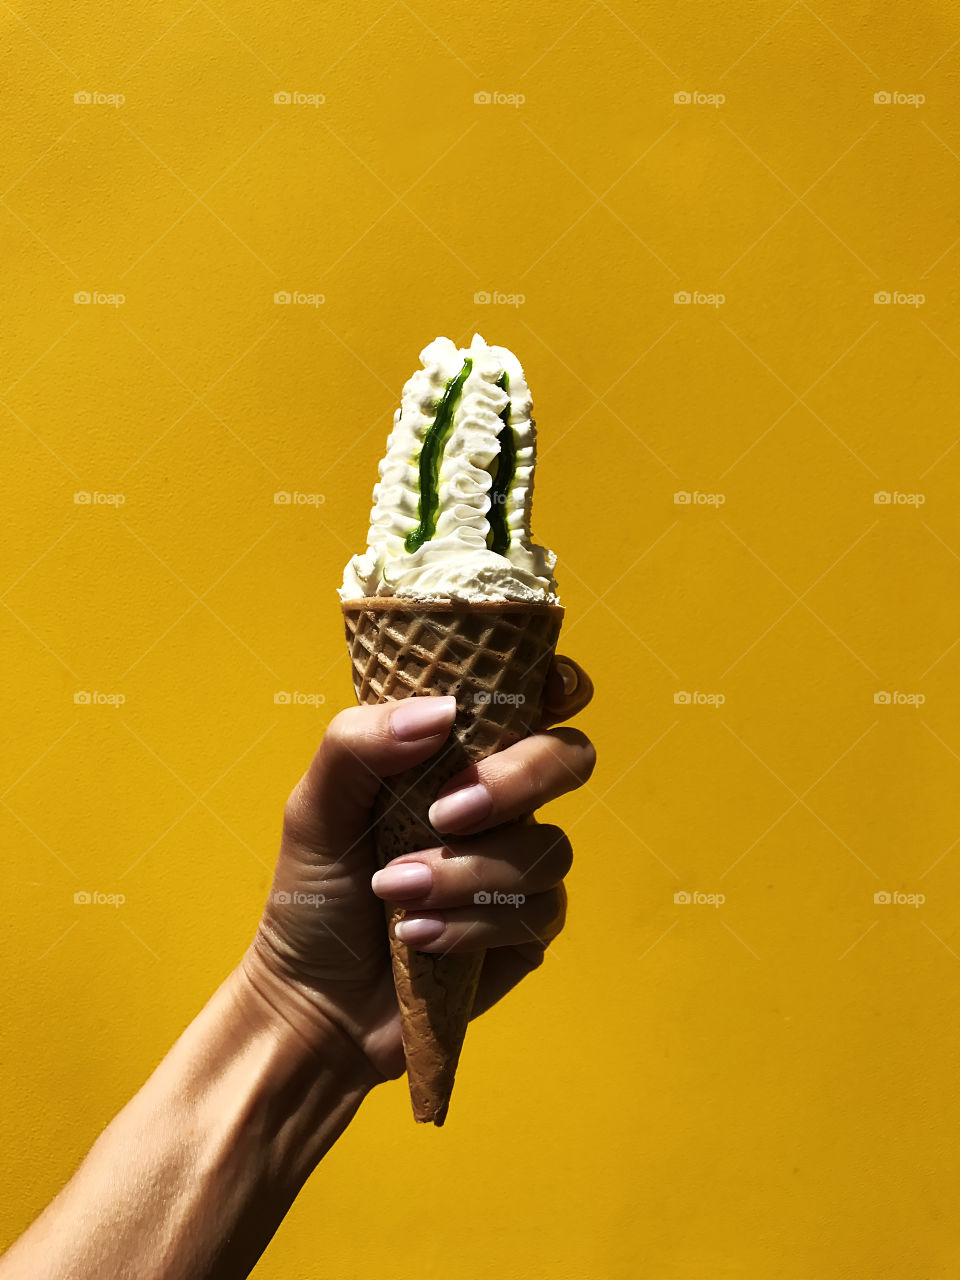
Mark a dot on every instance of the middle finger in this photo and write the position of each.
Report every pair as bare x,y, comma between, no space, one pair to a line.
514,782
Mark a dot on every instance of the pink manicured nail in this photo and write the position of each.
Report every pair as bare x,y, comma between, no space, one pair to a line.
409,880
423,717
414,929
461,808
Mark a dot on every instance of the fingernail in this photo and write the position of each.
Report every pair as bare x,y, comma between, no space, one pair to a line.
409,880
414,929
461,808
568,676
423,717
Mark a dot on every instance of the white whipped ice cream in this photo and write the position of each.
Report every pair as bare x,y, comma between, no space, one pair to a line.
451,511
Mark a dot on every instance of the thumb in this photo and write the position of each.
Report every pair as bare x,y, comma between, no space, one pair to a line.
331,802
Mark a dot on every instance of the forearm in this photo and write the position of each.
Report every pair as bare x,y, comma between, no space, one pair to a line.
194,1175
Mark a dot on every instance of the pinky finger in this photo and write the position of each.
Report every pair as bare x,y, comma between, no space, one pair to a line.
537,919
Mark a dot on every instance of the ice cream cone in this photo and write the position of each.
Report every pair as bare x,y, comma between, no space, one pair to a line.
493,657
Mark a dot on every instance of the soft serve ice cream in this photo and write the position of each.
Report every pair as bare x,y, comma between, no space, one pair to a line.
451,511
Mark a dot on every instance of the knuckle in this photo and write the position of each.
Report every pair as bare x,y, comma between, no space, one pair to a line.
531,777
340,730
581,753
554,913
558,851
461,938
294,814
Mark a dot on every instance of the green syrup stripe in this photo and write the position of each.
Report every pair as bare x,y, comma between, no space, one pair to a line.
498,538
428,505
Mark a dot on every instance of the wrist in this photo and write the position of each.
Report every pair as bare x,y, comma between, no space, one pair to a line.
305,1037
277,1099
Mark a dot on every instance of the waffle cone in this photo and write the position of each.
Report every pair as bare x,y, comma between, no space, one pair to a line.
493,657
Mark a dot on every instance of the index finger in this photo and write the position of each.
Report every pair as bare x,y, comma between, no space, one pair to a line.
568,689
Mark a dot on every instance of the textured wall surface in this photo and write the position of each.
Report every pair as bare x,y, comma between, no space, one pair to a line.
723,239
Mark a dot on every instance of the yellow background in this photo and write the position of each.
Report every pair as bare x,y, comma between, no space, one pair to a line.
761,1088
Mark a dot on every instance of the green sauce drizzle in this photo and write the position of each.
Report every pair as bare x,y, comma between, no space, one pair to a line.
498,538
428,505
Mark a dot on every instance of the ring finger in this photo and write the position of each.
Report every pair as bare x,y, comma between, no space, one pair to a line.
486,923
519,858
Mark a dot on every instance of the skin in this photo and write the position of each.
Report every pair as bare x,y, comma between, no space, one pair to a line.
195,1174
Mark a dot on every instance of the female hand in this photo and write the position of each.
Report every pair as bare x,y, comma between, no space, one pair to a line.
320,954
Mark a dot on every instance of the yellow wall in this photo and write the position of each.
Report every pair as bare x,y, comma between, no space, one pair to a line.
761,1088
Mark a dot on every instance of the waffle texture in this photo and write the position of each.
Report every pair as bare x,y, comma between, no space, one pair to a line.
493,657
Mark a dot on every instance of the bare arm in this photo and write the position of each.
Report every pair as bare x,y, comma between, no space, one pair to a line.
194,1175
